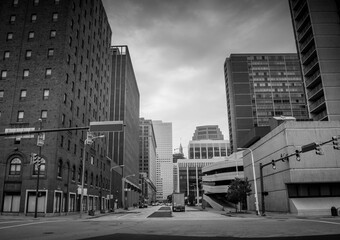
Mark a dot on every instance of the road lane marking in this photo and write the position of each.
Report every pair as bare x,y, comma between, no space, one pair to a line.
32,223
13,221
319,221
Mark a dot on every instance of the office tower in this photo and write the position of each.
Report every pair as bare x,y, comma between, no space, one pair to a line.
164,165
211,132
124,106
147,159
316,26
175,157
259,87
208,142
55,66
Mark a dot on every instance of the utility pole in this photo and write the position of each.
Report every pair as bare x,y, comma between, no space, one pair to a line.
40,143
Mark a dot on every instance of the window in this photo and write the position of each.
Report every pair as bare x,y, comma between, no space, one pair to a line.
26,73
55,17
12,19
6,54
43,114
63,119
31,35
62,141
50,52
73,175
23,94
53,33
28,54
48,72
56,2
33,18
59,169
36,2
1,95
92,160
3,74
15,167
42,167
46,94
65,98
15,3
20,116
9,36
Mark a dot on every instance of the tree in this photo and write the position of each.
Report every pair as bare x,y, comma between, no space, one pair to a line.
238,191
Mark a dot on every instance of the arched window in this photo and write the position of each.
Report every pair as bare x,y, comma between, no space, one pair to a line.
15,167
60,168
42,167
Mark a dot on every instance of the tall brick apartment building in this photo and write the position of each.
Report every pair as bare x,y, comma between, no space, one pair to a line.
55,65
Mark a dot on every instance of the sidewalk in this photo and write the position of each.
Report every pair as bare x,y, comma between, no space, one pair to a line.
70,215
270,215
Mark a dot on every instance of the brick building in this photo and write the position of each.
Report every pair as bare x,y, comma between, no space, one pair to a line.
55,66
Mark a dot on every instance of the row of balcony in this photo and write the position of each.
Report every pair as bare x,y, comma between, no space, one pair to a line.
299,9
307,42
308,56
316,92
318,105
300,24
303,32
313,80
311,67
321,116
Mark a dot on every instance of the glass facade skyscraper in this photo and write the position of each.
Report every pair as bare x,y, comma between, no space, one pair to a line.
259,87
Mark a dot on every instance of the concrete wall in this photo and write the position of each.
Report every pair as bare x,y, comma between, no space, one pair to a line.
312,168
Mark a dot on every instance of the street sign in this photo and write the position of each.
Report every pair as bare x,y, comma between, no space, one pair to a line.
41,139
107,126
79,190
18,130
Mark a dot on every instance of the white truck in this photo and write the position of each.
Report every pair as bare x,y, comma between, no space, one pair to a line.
178,202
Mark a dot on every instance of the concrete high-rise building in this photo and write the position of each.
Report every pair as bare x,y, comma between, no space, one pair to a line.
164,164
147,160
124,106
55,66
316,26
259,87
208,142
211,132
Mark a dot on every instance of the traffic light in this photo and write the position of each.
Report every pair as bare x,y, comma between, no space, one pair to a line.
284,157
297,154
318,149
336,142
273,164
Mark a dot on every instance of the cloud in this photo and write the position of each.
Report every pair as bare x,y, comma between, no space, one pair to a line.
178,48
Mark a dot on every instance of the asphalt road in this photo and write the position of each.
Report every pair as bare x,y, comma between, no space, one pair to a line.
192,224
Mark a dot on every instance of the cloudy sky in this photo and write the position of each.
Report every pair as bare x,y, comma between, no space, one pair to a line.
178,48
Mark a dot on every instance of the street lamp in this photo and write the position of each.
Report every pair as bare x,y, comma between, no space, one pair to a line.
123,189
89,140
254,175
111,182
